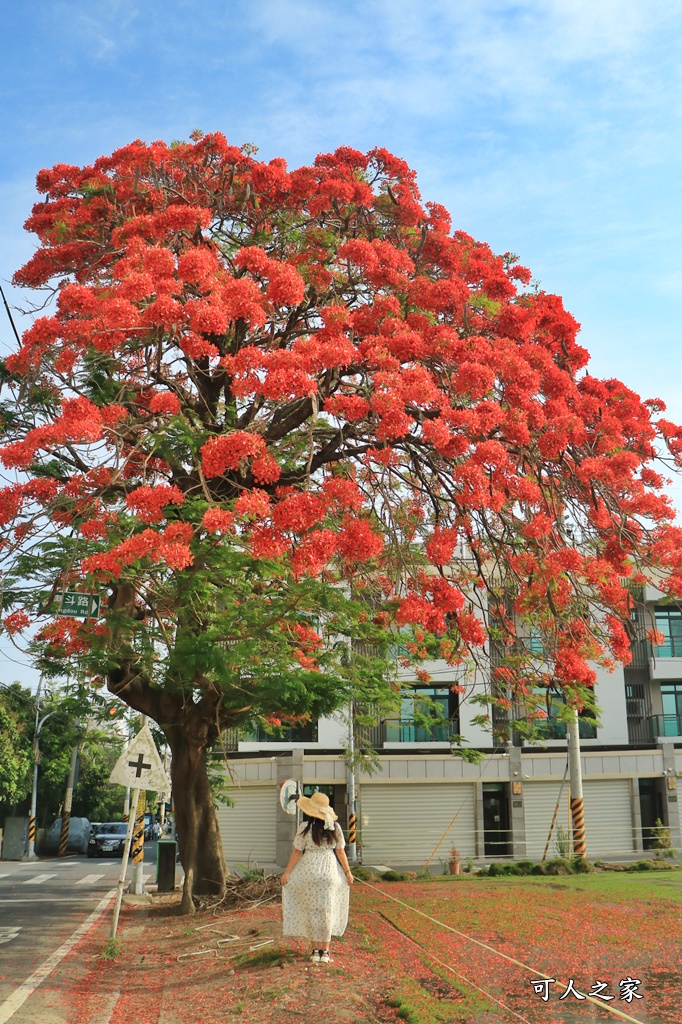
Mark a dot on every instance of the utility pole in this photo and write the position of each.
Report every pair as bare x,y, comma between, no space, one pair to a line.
40,722
576,784
66,810
34,792
351,848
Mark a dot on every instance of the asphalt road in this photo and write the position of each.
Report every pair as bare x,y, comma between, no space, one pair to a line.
42,904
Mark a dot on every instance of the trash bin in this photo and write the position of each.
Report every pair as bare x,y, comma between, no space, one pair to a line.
166,850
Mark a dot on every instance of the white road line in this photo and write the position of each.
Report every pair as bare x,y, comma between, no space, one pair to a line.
21,994
7,934
106,1008
7,874
37,879
88,879
49,899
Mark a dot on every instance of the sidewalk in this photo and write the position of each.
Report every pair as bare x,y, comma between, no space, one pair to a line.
215,967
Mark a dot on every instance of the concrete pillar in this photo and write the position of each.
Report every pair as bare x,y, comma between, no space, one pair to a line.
671,794
289,766
637,843
478,821
517,816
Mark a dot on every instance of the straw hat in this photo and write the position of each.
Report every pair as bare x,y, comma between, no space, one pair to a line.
317,806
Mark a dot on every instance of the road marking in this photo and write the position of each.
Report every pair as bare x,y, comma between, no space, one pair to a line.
106,1008
37,879
88,879
7,874
7,934
49,899
21,994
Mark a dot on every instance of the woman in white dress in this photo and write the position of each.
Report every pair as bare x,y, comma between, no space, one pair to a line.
317,878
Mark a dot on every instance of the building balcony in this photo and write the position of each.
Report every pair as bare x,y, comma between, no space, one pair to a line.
394,731
306,733
231,738
552,729
666,665
667,725
404,731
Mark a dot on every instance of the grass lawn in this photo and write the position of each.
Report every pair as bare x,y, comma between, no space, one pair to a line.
604,927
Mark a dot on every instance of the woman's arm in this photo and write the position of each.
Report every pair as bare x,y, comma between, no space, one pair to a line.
294,859
343,861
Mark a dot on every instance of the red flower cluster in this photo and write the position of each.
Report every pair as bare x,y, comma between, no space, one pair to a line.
230,451
149,502
350,384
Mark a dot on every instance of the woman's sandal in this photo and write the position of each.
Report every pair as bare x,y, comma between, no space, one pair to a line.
315,956
325,958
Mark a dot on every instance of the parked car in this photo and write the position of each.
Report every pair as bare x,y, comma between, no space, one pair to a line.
109,840
77,841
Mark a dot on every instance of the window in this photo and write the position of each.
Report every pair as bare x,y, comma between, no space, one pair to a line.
553,728
671,699
535,642
428,714
668,622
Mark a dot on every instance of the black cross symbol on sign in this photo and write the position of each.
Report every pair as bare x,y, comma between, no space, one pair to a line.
139,765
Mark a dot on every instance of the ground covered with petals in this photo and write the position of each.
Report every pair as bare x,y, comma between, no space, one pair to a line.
228,965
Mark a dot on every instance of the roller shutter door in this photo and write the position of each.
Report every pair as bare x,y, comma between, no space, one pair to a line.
402,824
608,817
248,829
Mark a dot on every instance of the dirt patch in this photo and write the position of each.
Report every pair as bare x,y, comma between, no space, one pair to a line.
227,965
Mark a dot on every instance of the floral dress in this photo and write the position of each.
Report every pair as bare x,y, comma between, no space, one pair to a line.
315,899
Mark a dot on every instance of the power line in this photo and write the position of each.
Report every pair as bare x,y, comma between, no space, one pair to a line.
9,314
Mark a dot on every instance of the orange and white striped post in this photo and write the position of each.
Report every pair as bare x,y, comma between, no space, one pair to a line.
137,846
576,792
66,809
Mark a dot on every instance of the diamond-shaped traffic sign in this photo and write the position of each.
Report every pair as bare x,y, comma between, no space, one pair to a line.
140,765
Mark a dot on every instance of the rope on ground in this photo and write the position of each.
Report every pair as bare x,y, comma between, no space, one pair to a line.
447,967
497,952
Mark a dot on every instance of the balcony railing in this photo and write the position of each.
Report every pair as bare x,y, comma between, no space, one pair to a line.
553,729
672,648
398,730
306,733
667,725
231,738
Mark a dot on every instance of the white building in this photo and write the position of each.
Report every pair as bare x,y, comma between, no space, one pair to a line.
503,807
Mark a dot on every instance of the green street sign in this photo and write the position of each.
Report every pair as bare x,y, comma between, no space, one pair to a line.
80,606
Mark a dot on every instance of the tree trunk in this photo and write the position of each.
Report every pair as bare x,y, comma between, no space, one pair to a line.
201,850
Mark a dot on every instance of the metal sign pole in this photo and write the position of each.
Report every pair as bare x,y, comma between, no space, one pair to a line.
124,867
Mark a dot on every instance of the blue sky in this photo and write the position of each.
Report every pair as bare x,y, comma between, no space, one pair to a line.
549,128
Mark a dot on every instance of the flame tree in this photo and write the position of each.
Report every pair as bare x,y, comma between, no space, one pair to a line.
271,414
